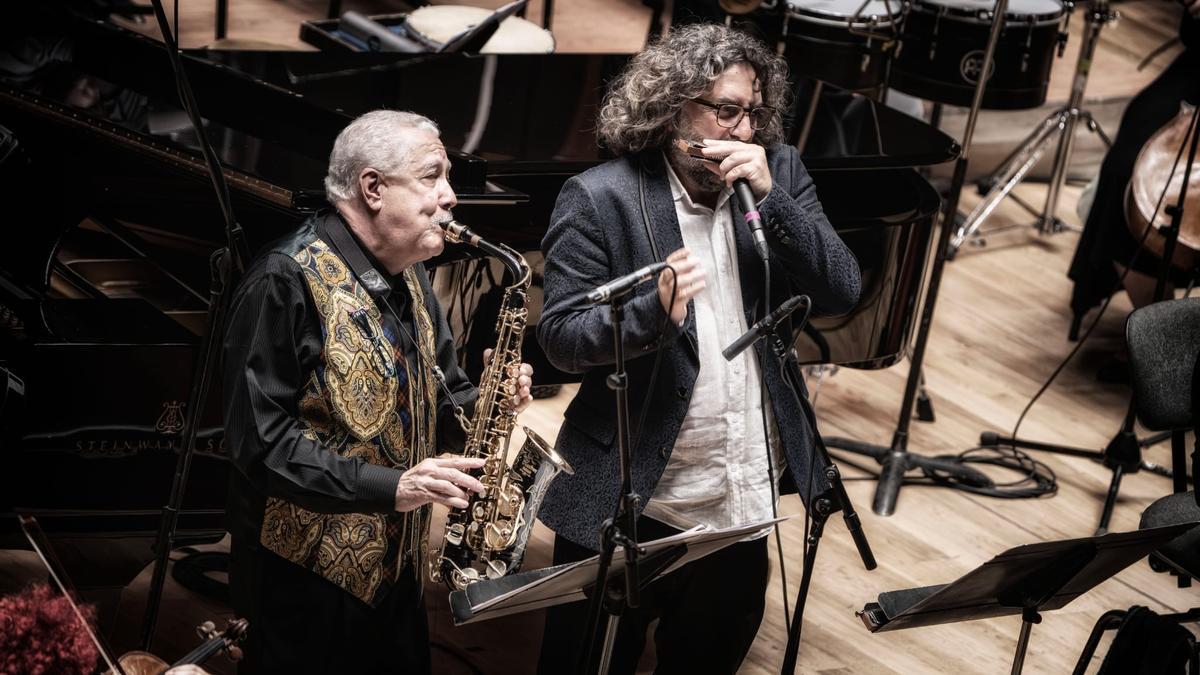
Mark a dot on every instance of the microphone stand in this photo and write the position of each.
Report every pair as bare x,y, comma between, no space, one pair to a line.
833,500
1123,453
621,529
895,460
225,265
836,498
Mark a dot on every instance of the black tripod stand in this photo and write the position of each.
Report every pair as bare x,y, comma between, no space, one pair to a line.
226,264
823,506
1123,454
1060,124
621,529
896,459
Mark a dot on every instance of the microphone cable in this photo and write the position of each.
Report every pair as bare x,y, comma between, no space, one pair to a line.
1116,286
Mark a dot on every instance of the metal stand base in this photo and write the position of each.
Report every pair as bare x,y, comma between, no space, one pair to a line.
1122,455
1059,125
895,461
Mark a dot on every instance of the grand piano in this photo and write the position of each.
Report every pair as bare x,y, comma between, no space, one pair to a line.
104,277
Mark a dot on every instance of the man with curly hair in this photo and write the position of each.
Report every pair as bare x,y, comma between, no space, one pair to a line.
718,435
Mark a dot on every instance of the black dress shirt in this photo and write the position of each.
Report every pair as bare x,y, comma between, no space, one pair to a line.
273,344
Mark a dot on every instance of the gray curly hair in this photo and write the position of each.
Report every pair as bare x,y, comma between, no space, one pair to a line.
373,140
641,108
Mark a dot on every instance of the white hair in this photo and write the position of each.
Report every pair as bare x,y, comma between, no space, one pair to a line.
375,140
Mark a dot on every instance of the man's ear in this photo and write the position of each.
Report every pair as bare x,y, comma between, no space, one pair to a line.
370,185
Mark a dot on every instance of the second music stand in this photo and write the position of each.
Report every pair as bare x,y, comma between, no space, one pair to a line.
1025,580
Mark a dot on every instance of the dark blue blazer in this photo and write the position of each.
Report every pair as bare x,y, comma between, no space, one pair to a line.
597,232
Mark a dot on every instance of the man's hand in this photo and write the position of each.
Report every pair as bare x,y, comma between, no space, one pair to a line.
438,480
1193,7
687,282
518,385
741,160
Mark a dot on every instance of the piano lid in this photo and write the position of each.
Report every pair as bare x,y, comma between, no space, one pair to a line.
860,133
258,127
539,110
521,113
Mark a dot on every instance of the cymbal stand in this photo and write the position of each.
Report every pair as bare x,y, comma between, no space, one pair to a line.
1123,454
896,460
1059,124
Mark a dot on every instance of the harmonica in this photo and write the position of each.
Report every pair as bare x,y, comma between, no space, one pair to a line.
694,149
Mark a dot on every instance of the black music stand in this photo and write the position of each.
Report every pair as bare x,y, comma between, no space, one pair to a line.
1024,580
526,591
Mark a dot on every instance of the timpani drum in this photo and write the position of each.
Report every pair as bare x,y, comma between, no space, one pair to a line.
434,25
942,46
846,43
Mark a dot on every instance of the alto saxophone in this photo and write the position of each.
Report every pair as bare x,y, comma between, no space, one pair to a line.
488,537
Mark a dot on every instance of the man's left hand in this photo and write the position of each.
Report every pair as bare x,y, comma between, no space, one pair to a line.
518,385
740,160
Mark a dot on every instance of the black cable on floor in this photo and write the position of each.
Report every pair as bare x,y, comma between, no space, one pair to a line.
1037,479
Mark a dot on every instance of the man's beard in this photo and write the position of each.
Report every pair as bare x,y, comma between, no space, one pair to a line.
704,179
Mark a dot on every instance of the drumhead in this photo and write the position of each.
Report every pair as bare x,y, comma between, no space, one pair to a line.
439,23
1019,11
876,12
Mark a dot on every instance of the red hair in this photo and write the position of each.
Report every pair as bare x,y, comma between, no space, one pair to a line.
40,635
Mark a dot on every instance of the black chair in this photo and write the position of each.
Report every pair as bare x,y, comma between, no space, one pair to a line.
1164,346
1164,339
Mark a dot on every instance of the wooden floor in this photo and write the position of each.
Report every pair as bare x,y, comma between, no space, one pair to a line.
999,331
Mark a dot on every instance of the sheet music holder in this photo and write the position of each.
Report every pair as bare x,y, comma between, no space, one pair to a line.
526,591
1023,580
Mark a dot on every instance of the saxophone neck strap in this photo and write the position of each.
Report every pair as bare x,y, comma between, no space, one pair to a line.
335,231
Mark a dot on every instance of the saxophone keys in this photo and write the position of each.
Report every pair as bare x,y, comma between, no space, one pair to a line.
454,534
499,536
510,503
496,569
492,466
465,577
481,512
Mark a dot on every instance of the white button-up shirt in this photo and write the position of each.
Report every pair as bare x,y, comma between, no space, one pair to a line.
717,474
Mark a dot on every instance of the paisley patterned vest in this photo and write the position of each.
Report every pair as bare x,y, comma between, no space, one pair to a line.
361,402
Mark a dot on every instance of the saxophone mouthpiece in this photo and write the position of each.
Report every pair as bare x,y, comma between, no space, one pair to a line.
457,234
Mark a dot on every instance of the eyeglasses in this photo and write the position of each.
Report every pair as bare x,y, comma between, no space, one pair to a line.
729,115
